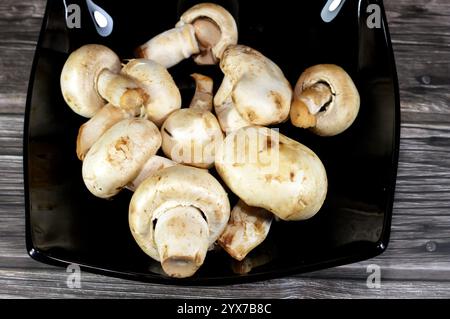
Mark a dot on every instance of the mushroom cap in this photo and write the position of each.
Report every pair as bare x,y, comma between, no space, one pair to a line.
190,136
269,170
174,187
118,156
344,106
221,17
155,163
257,86
93,129
230,119
247,228
159,85
79,77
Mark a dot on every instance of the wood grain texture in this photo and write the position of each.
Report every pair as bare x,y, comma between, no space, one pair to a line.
417,262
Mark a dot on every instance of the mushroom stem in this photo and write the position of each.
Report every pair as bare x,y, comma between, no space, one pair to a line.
181,237
300,114
93,129
316,97
203,97
121,91
170,47
255,86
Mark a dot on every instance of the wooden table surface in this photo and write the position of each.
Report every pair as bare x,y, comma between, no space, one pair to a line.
417,262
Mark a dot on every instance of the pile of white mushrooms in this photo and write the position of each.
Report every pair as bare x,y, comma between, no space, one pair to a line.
179,210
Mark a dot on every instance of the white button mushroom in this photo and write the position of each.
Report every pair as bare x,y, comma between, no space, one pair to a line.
325,100
93,129
163,98
117,158
269,170
164,95
190,136
91,75
254,86
205,30
176,214
247,228
215,30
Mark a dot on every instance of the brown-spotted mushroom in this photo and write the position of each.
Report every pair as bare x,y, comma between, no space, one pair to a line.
325,100
93,129
92,75
164,95
163,98
247,228
269,170
176,215
119,155
254,90
205,30
190,136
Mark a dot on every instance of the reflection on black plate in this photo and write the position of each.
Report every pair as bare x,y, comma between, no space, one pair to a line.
66,224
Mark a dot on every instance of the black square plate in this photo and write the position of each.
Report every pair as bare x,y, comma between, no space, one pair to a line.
66,224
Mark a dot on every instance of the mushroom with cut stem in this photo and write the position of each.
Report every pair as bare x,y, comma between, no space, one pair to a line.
92,75
176,215
254,90
119,155
205,30
190,136
325,100
164,95
269,170
247,228
163,98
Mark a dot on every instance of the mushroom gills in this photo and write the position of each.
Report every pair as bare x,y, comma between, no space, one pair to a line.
181,237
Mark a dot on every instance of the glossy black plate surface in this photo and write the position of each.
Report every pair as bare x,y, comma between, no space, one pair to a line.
66,224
